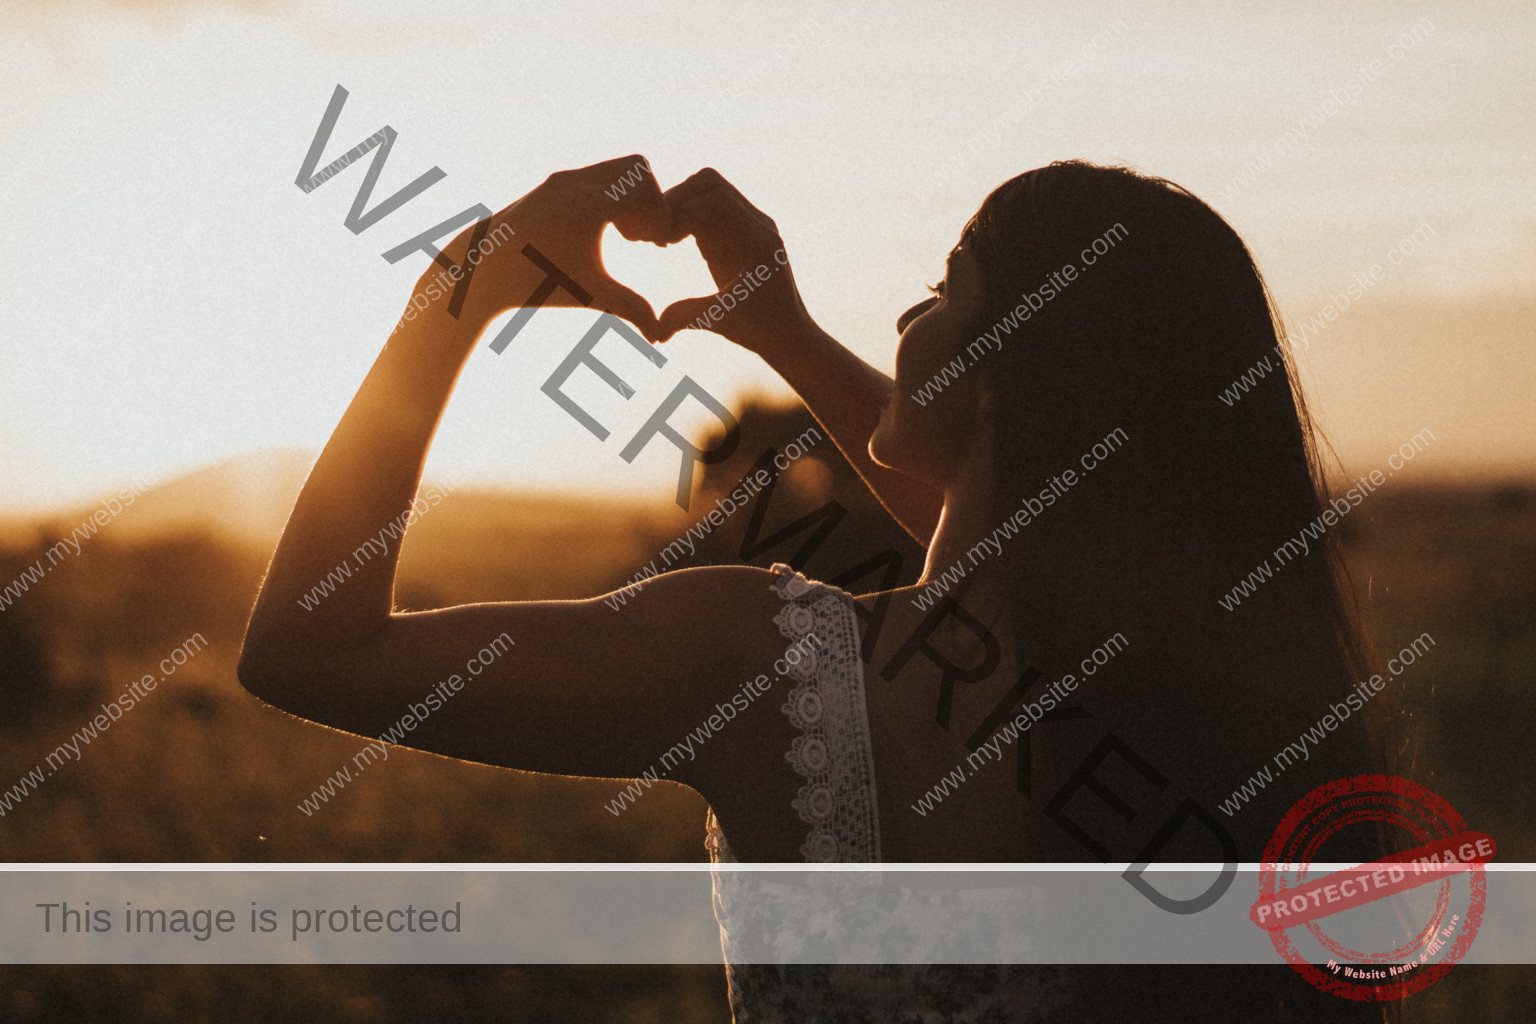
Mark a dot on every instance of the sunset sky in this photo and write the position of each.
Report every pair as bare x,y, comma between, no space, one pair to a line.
172,299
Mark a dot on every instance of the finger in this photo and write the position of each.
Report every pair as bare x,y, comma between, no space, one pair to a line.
703,180
729,237
730,251
731,234
692,314
707,182
604,172
714,209
640,212
629,305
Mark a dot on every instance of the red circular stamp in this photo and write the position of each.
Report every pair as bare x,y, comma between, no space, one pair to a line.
1394,926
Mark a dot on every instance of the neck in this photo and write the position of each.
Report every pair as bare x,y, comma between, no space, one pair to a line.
965,529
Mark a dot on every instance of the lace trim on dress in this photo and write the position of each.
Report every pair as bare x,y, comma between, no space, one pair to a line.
833,751
775,930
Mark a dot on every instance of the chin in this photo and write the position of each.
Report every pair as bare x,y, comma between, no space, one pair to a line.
888,452
881,448
898,444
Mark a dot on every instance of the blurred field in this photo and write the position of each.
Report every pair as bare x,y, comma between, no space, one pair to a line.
202,772
254,994
1460,564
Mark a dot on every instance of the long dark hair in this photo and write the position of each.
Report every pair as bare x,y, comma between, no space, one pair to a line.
1144,307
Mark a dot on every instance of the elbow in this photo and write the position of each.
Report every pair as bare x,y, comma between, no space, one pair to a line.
285,668
255,670
259,668
262,669
288,663
272,655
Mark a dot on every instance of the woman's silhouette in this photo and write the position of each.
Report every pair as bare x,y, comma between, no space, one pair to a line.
1089,319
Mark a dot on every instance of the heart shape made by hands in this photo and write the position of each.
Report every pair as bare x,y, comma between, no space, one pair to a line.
662,275
750,297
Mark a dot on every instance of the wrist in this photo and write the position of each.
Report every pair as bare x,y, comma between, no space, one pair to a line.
792,342
819,363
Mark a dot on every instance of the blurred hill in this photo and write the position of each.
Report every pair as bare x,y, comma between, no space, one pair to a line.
245,499
248,498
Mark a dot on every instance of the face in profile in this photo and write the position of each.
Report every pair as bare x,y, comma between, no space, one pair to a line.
931,439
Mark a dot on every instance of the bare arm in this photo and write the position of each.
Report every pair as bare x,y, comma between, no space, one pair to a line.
746,257
846,395
559,689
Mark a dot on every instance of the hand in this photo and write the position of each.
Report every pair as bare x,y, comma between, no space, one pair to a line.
563,219
757,305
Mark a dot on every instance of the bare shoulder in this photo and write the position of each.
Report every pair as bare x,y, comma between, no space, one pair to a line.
714,623
730,744
721,605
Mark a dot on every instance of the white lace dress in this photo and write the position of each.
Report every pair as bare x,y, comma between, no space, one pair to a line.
773,933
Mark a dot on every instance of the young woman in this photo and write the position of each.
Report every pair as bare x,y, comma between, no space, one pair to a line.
1054,435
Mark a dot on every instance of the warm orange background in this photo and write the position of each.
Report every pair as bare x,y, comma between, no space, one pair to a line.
174,306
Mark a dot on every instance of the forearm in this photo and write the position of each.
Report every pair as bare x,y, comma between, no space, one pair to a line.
847,397
345,528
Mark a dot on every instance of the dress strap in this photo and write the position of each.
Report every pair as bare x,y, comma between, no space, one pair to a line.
832,752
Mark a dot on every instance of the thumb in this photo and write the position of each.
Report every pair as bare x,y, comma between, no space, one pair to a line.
691,314
628,305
